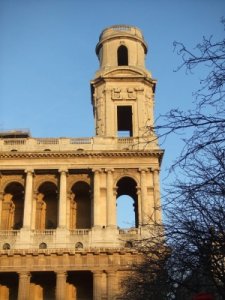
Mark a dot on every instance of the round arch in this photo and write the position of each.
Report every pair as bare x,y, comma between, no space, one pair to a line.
127,202
12,206
80,206
122,55
47,206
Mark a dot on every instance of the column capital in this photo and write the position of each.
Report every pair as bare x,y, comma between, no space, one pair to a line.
111,272
24,274
63,170
29,171
155,169
97,272
143,170
96,170
61,273
109,170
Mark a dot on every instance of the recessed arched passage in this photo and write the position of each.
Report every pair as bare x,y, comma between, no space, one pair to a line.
122,56
127,203
80,207
12,207
47,206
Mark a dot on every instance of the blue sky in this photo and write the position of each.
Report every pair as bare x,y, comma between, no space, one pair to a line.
47,58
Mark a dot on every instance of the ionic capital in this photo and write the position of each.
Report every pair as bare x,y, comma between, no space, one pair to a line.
97,170
109,170
29,171
63,170
143,170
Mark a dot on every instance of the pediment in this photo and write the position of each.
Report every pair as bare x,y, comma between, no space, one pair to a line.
125,72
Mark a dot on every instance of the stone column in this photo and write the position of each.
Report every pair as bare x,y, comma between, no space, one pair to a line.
111,285
24,286
96,199
1,199
139,207
144,204
62,199
61,285
110,198
28,200
34,208
157,206
97,285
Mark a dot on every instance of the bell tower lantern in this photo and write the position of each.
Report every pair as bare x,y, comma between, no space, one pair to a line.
123,89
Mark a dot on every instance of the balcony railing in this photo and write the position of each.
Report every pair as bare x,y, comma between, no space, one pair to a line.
9,233
79,231
130,231
44,232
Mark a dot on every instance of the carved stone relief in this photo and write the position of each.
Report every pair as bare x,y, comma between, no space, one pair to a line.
124,94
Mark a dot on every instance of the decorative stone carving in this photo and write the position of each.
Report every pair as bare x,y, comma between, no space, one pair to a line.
123,94
131,93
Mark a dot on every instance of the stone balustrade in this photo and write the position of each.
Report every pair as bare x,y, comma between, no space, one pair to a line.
74,144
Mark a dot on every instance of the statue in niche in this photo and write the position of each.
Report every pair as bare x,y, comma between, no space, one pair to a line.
8,210
40,212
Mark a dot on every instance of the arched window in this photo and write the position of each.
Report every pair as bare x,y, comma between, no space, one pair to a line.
47,206
79,246
127,203
43,246
13,206
80,206
122,56
6,246
128,244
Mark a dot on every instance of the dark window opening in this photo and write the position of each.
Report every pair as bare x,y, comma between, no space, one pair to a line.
124,121
79,246
122,56
43,246
6,246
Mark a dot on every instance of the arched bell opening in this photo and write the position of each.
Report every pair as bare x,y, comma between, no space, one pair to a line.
122,56
47,206
13,207
127,203
80,207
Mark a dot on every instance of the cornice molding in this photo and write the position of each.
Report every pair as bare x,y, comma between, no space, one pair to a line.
31,155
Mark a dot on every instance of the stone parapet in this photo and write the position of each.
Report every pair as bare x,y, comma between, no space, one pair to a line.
76,144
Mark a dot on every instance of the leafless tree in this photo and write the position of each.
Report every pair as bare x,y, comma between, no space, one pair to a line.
195,203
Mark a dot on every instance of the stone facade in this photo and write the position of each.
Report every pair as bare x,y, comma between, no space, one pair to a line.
59,237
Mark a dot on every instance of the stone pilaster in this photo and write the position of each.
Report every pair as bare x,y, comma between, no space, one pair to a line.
96,200
139,206
97,285
61,285
28,199
157,206
144,203
62,199
24,286
110,198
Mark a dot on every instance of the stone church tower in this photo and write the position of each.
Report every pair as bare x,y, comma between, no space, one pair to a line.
59,237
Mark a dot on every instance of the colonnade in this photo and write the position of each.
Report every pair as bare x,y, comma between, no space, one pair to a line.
103,207
100,287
